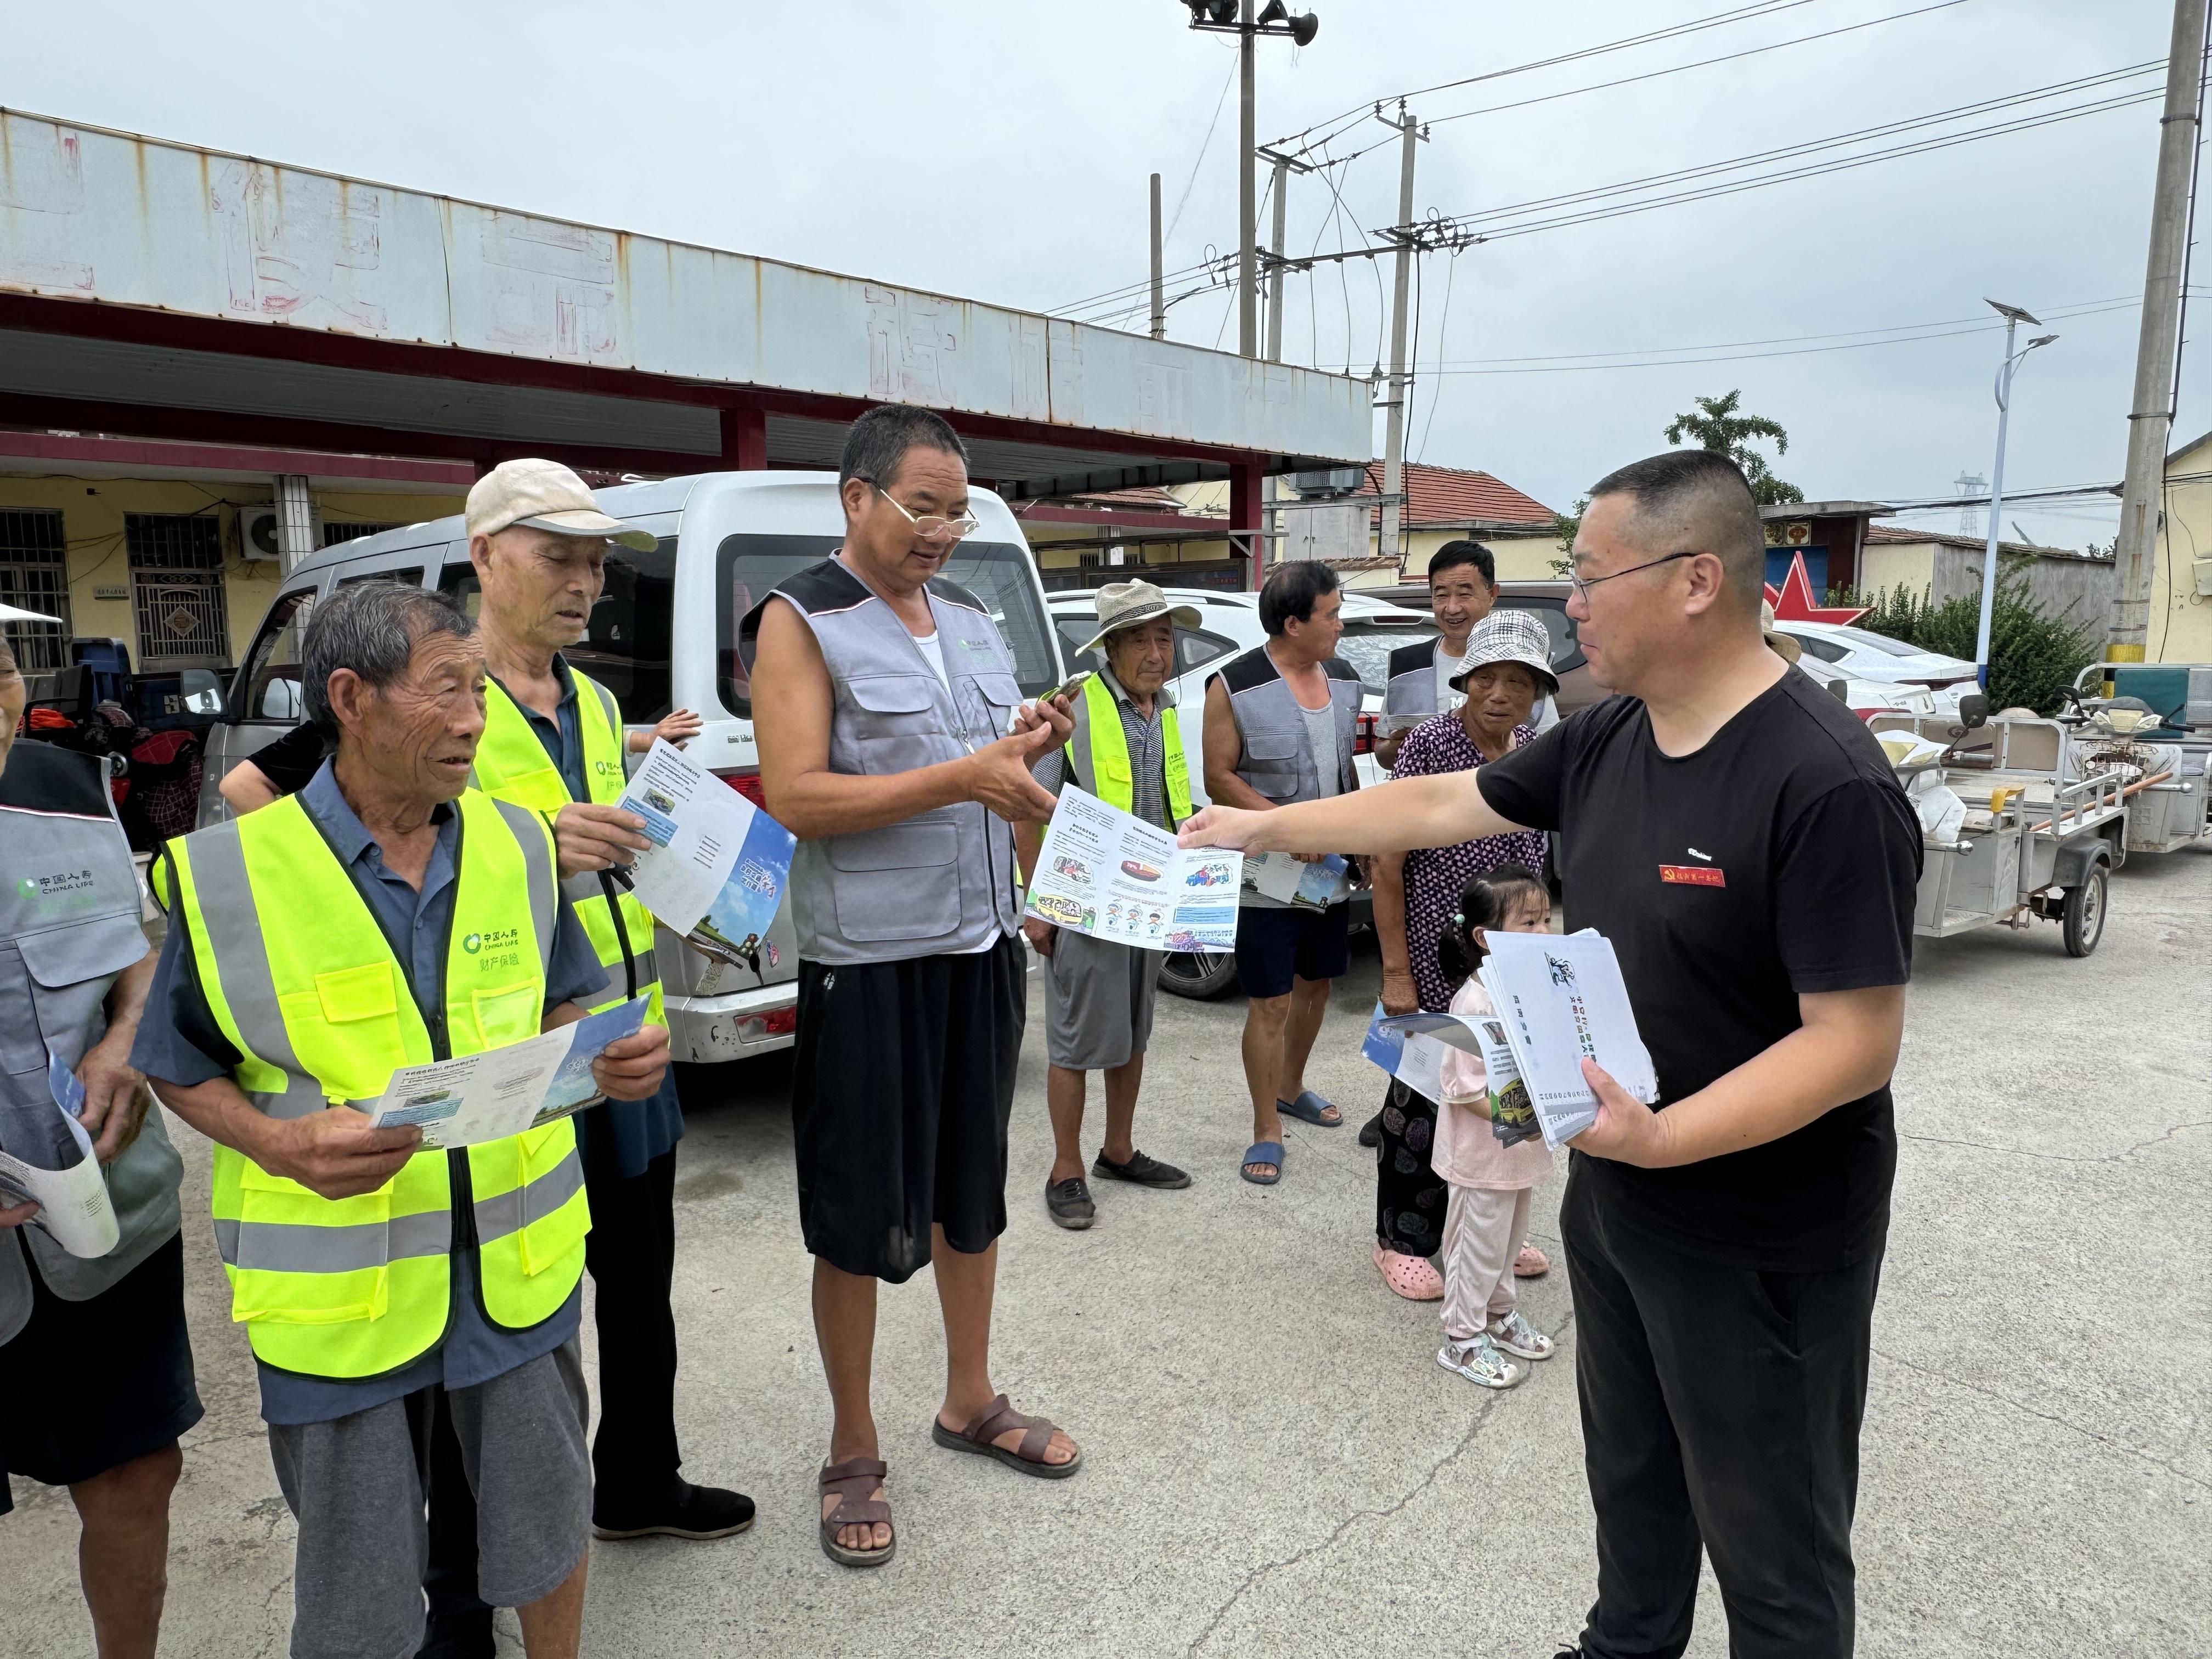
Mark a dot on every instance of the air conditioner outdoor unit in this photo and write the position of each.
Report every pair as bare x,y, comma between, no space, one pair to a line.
1326,482
256,533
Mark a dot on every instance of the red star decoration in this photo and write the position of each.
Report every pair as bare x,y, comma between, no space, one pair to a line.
1794,602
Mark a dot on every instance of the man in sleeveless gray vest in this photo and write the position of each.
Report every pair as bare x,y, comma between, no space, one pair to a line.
895,744
1279,724
96,1367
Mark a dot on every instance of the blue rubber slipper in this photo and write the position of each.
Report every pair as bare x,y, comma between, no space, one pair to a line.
1262,1152
1307,1108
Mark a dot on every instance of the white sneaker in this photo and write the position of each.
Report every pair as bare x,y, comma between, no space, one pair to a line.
1516,1334
1479,1361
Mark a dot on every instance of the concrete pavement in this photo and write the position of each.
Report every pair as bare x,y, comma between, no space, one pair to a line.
1276,1466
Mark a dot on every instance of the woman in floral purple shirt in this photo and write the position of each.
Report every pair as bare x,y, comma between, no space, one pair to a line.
1507,668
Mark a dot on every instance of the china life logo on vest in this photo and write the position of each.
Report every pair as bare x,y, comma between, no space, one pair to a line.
496,947
66,889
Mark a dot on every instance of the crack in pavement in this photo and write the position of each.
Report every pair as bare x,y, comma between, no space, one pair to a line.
2062,1157
1481,1420
2151,1458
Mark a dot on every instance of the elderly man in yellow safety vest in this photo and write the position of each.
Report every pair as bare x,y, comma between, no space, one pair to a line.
1127,749
553,742
386,915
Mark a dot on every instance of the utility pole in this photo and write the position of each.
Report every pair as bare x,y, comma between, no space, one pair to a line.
1277,265
1159,282
1248,205
2150,418
1389,542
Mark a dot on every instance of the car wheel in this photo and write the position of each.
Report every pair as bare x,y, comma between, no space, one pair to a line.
1200,975
2082,920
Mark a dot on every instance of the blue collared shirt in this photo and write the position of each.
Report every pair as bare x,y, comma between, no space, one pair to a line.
621,1137
178,1042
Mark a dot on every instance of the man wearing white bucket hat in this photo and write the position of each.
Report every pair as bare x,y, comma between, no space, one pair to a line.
1127,749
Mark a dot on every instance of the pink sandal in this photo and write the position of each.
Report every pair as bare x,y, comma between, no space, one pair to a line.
1531,1263
1410,1276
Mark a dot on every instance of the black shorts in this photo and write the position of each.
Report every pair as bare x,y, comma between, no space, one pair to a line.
900,1097
86,1387
1274,945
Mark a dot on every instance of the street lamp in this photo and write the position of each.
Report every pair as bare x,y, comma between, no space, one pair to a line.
2014,317
1235,17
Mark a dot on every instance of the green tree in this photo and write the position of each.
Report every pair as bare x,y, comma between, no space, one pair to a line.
1717,424
1566,524
2032,654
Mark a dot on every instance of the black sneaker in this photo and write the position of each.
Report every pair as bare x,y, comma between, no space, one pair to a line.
1142,1170
690,1512
1069,1204
1370,1133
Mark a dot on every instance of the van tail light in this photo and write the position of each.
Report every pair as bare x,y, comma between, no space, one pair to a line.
747,782
778,1021
1363,735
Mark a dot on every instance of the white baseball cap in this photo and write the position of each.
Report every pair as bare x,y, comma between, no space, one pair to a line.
544,496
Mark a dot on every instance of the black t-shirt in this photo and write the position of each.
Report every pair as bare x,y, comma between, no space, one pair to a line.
292,760
1779,859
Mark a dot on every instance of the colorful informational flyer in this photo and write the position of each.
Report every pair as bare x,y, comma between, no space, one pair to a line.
59,1173
503,1091
1287,880
1562,1000
1109,874
1403,1045
716,869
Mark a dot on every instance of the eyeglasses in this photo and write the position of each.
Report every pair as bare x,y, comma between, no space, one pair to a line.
1583,585
932,526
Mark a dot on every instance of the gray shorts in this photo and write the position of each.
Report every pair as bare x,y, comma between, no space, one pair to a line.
1097,1002
357,1486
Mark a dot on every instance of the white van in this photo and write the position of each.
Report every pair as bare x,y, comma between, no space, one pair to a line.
664,636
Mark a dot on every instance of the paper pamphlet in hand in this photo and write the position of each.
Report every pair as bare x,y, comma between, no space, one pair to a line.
1402,1045
1290,880
1561,1001
716,869
1109,874
58,1172
503,1091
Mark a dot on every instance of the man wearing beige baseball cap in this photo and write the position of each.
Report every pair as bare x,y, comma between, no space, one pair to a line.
1126,749
554,741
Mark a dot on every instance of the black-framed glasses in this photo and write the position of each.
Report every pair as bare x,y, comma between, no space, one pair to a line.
1583,586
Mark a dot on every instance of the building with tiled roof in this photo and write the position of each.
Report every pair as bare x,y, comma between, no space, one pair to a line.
1454,498
1940,565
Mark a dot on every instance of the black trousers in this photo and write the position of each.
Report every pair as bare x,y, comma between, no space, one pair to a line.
630,1254
1720,1405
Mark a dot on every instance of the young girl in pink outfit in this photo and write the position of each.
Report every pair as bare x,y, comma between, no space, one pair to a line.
1486,1221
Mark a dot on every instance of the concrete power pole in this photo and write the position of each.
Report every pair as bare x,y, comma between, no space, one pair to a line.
1248,204
1275,266
1389,542
2150,418
1159,281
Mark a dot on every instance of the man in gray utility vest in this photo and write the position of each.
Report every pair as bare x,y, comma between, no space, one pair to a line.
96,1367
895,744
1279,725
1128,750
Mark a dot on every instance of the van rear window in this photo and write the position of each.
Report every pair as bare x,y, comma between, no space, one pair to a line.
625,647
999,574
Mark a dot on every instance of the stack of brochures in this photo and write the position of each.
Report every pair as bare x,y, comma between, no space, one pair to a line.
1558,1002
1561,1001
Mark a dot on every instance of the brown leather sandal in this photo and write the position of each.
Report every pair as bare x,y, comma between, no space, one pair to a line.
994,1420
852,1481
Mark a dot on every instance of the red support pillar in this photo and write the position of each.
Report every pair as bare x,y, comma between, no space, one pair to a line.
1245,511
744,439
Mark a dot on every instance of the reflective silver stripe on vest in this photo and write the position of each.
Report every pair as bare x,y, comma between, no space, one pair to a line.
233,932
538,866
510,1211
1276,759
279,1247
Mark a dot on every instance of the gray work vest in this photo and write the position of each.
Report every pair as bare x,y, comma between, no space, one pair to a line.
1411,691
69,922
941,882
1275,758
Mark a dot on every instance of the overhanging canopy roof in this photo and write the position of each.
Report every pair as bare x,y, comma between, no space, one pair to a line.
140,280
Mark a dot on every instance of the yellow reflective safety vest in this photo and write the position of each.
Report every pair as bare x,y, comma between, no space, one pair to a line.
301,980
512,763
1098,753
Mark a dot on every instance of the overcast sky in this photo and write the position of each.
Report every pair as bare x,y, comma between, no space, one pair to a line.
998,150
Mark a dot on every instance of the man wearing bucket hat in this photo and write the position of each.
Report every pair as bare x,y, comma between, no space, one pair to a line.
1127,749
1504,675
554,742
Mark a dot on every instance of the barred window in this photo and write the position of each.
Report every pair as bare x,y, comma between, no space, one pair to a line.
176,590
34,576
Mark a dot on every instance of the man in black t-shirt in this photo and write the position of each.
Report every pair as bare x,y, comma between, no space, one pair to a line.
1740,837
